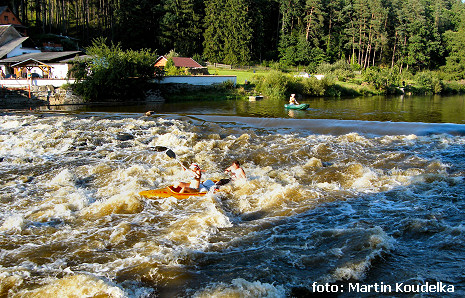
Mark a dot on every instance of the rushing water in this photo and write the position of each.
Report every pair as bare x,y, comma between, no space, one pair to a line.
342,205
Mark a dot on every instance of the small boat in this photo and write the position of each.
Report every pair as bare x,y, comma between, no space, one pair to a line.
171,191
302,106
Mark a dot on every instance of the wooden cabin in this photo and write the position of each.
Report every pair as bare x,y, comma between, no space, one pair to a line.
7,17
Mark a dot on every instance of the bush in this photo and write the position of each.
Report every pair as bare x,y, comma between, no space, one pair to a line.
275,84
112,73
312,86
279,85
428,82
340,69
383,79
226,85
324,68
454,87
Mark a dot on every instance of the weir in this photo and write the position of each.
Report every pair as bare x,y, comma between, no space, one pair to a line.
341,127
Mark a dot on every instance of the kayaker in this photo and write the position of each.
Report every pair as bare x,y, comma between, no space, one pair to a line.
292,100
237,173
195,182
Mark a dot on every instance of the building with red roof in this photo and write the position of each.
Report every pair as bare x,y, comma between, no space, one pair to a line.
182,62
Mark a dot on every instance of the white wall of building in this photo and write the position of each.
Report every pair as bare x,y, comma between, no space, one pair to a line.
19,50
59,70
197,80
23,83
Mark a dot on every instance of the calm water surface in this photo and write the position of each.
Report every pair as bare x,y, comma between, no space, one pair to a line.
429,109
337,199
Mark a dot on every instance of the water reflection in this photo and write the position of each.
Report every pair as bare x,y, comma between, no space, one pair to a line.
429,109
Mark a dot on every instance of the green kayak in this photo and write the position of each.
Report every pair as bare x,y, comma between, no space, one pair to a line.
302,106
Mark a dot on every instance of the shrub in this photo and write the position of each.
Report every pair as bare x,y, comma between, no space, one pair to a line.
274,84
324,68
428,82
340,69
226,85
112,73
454,87
383,79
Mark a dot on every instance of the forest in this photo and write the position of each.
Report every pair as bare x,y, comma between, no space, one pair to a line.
408,34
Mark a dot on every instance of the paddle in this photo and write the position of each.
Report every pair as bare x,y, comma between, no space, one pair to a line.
223,182
168,152
172,155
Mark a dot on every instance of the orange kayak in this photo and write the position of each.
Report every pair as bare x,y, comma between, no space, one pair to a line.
171,191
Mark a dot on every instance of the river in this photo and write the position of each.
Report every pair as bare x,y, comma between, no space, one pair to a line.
337,199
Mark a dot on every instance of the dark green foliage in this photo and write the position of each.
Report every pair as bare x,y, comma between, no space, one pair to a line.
274,84
181,26
228,33
455,62
413,35
383,79
428,83
279,85
112,73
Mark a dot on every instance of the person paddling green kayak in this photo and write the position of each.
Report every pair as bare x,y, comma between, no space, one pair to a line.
295,105
292,100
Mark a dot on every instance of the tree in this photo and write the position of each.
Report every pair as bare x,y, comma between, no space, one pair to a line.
137,25
314,21
214,27
112,73
238,36
181,27
228,33
292,28
455,62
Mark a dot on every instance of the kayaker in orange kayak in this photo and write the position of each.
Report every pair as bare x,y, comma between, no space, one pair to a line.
195,182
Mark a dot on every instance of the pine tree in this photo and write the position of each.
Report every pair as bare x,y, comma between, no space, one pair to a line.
213,46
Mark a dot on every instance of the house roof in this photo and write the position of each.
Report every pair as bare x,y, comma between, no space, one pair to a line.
3,28
42,57
3,8
181,62
10,46
79,58
16,22
27,62
185,62
8,33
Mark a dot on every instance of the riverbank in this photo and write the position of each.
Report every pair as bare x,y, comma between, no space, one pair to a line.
269,83
338,83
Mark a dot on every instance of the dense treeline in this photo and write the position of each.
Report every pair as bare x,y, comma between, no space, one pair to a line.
407,34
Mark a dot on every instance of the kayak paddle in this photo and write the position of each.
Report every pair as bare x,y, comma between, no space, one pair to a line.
168,152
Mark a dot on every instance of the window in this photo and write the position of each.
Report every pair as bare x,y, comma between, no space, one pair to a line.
6,18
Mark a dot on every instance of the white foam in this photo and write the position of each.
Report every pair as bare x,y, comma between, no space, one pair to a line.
13,223
242,288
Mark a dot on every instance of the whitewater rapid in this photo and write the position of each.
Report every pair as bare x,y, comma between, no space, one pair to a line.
326,202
